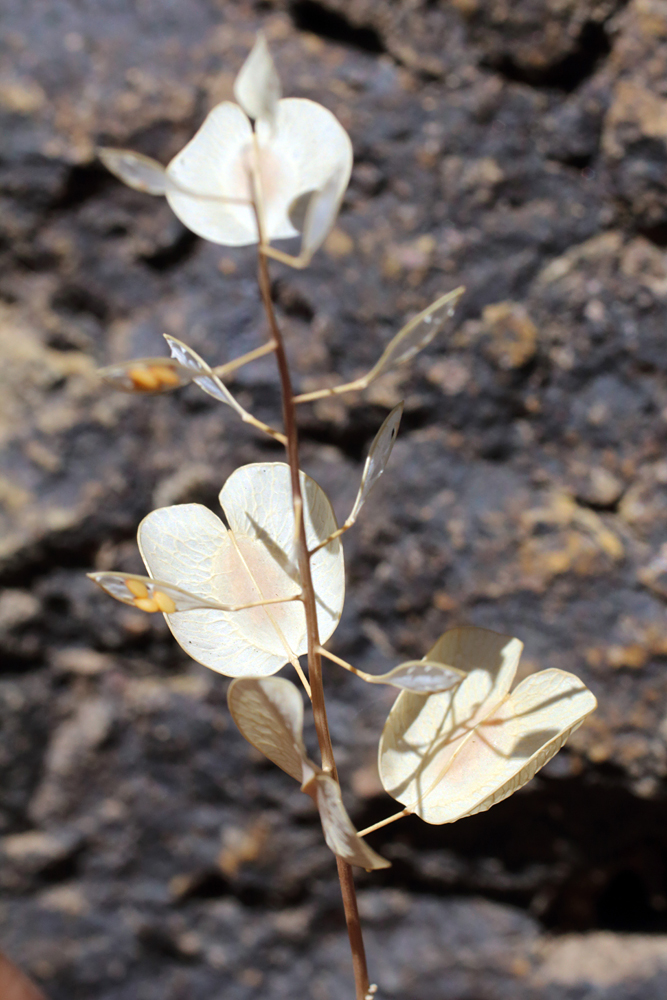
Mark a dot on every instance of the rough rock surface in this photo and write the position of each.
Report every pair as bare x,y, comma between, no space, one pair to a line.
520,148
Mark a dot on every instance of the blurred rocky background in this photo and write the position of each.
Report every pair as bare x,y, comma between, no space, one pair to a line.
146,852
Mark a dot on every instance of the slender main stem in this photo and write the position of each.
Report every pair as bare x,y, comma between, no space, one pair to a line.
307,589
314,660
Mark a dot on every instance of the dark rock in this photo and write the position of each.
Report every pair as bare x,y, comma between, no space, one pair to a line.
515,148
635,139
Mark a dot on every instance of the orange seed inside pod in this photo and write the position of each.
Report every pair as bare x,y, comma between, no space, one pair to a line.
137,588
166,376
143,379
164,602
146,604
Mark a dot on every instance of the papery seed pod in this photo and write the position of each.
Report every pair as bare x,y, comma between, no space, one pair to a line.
268,712
420,677
151,375
201,373
146,594
412,338
297,152
339,831
136,170
230,174
453,754
416,335
254,559
320,211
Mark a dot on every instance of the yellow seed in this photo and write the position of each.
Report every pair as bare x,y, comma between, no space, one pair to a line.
137,588
164,602
143,379
165,375
146,604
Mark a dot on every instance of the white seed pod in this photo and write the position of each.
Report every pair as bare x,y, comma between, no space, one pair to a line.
377,460
339,831
151,595
214,166
508,748
419,676
228,173
449,755
151,375
307,151
489,658
417,334
269,714
489,661
252,561
299,153
257,86
137,171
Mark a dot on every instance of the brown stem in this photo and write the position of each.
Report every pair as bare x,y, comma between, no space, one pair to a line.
349,894
14,985
314,661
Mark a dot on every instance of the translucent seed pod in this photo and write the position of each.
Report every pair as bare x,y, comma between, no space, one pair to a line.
268,712
201,373
136,170
151,595
416,335
419,676
320,211
150,375
377,459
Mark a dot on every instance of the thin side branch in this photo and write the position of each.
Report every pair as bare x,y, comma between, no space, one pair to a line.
303,260
335,390
332,537
14,985
248,418
384,822
231,366
347,666
260,604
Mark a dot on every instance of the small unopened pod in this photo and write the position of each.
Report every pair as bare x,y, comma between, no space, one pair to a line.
150,375
419,676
